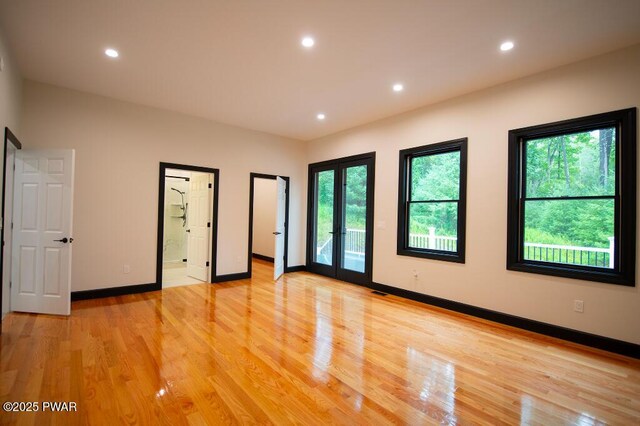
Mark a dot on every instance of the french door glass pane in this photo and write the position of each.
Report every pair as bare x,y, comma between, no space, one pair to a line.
354,211
434,226
323,252
576,232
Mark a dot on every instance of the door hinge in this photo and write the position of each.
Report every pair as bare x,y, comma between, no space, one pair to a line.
208,224
207,263
210,186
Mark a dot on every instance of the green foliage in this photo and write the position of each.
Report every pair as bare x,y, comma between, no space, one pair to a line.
533,235
355,200
356,197
586,223
435,177
442,216
324,206
580,164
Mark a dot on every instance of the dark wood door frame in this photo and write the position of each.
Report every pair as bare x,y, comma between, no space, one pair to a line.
253,177
338,165
214,224
9,138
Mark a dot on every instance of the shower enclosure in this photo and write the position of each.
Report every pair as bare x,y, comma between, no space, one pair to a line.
175,223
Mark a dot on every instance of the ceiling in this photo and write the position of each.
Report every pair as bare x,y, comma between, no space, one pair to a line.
241,62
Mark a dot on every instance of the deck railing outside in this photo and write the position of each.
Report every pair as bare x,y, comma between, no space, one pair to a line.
355,241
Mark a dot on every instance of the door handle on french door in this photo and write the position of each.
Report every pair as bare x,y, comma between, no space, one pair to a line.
64,240
277,233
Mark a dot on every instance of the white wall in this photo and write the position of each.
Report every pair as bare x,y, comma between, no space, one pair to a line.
10,101
119,146
264,216
10,90
598,85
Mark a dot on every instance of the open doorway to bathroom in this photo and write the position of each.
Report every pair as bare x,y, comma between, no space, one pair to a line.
187,230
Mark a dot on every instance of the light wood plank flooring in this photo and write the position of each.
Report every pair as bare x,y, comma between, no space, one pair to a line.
303,350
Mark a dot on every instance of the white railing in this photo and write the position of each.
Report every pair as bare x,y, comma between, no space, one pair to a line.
355,242
574,255
433,241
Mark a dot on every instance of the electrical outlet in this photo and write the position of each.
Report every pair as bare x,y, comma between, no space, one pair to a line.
126,269
578,305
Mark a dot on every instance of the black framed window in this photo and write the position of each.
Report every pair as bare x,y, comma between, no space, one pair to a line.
432,201
572,198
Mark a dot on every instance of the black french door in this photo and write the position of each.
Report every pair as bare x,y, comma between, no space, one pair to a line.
340,218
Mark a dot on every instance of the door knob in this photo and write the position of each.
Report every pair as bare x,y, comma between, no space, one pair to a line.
64,240
277,233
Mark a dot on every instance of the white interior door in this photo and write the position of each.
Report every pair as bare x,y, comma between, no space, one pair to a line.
278,258
42,226
199,225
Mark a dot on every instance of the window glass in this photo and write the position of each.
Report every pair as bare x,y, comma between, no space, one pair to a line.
579,164
572,198
435,177
431,215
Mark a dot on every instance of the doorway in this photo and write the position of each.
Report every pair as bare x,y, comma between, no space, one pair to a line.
268,221
340,218
187,225
11,145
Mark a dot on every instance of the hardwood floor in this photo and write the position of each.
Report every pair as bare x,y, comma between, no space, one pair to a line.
305,350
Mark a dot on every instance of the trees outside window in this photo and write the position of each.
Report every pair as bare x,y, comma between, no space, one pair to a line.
572,198
432,201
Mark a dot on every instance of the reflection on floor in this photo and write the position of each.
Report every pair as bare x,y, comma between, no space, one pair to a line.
174,274
304,349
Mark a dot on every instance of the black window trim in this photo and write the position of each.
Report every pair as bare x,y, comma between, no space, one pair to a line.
406,155
625,198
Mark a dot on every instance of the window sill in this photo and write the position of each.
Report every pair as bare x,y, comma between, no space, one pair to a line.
432,254
595,274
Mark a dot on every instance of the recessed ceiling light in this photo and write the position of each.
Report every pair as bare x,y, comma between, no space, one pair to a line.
507,45
308,42
321,116
112,53
398,87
